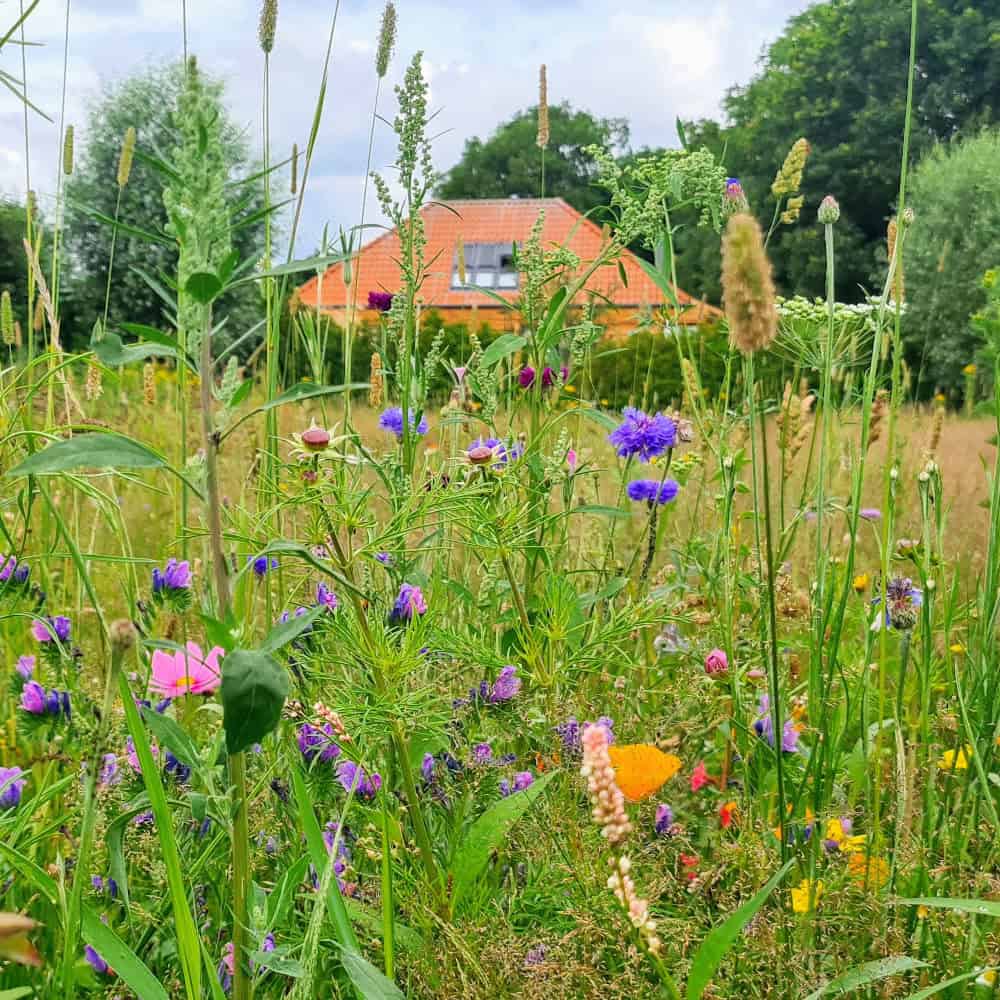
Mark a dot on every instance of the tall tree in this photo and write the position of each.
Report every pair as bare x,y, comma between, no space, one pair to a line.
146,102
509,161
837,76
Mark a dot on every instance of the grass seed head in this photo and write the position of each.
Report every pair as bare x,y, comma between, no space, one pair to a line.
747,286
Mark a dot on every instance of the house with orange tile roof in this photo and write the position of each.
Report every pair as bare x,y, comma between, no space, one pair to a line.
488,230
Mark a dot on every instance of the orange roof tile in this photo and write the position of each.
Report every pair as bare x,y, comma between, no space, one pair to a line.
492,220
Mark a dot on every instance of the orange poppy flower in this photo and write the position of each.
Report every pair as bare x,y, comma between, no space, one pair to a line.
641,769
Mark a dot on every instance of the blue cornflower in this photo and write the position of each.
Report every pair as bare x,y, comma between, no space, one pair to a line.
652,491
643,436
262,564
392,421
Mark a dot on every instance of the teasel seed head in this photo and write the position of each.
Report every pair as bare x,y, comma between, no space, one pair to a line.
68,151
268,25
788,179
898,291
543,109
7,318
829,211
295,168
747,286
460,260
125,159
375,382
149,384
386,40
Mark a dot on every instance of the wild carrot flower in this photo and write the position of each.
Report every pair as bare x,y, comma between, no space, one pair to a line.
186,671
606,797
11,786
352,776
409,602
642,435
50,629
652,491
392,421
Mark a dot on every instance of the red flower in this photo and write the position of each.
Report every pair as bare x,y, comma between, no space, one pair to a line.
727,813
699,777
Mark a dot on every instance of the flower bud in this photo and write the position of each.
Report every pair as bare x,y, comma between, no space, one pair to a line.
123,635
829,211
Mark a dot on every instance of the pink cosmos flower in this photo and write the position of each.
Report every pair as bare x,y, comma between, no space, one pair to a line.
699,776
186,672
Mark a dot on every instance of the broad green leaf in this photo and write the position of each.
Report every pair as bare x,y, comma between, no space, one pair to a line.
254,688
869,972
488,832
112,351
605,420
320,859
320,263
719,940
89,451
368,981
983,907
504,345
278,963
17,993
172,737
308,390
929,991
284,632
405,936
203,287
132,971
117,866
283,895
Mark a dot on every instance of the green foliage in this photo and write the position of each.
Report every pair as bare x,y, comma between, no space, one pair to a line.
89,451
146,101
509,163
254,688
955,236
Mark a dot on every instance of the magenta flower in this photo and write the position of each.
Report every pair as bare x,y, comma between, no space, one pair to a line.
33,698
380,301
175,576
50,629
186,671
11,786
410,602
25,666
716,662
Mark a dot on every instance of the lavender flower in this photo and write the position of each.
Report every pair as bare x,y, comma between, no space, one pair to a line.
409,602
643,436
11,787
392,421
764,727
652,491
175,576
48,629
664,819
352,776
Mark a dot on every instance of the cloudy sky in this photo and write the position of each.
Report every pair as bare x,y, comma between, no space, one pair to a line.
647,60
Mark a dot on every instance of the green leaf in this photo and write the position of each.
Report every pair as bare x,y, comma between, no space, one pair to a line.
367,980
488,832
89,451
719,940
219,633
284,632
283,894
17,993
869,972
504,345
601,510
308,390
320,263
254,688
117,866
112,351
929,991
150,333
405,936
171,736
203,287
132,971
278,963
982,907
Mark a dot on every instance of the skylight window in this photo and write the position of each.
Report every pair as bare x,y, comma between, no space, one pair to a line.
487,265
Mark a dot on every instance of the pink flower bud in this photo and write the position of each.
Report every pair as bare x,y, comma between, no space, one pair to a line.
716,662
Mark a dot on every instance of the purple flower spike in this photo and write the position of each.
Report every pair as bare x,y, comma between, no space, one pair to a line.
352,776
175,576
50,629
25,666
409,602
664,819
33,698
95,961
326,597
507,685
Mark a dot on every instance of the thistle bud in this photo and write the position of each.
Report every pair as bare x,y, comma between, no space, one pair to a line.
125,159
123,635
829,211
7,318
747,286
543,109
268,24
386,40
68,151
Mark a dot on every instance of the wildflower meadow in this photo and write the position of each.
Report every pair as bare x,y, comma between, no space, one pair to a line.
357,656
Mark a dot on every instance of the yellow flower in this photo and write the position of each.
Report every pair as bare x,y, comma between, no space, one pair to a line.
855,843
861,582
987,977
922,912
940,398
806,897
604,402
969,370
835,831
569,388
955,760
957,648
868,870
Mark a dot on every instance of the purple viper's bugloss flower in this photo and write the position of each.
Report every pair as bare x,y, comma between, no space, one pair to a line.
326,597
49,629
482,753
506,686
392,421
314,742
523,780
652,491
33,698
409,602
262,564
11,787
643,436
664,819
95,961
25,667
352,776
764,728
175,576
